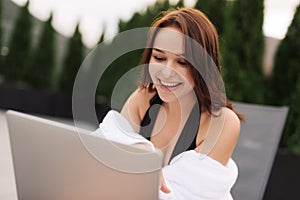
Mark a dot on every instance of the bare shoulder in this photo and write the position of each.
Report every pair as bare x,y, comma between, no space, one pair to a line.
142,94
136,106
232,123
228,137
139,99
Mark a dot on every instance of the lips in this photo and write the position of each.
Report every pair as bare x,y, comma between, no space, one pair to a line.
169,85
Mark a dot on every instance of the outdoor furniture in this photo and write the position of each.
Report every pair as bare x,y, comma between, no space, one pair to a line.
256,148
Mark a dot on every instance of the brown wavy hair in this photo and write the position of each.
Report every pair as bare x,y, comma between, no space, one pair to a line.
204,61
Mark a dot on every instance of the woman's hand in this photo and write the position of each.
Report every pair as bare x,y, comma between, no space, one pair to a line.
163,186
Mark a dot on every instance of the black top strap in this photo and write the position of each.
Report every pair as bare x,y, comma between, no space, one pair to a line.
187,138
147,124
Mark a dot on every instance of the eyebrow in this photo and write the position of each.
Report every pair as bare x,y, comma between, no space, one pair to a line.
159,50
162,51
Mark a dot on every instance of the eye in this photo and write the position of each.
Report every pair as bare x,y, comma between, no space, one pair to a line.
184,63
159,58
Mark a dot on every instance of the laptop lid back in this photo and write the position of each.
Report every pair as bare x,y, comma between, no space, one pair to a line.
57,161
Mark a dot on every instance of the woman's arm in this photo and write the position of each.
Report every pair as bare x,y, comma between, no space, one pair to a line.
222,136
136,106
130,111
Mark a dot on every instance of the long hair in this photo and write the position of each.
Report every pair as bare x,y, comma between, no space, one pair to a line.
204,62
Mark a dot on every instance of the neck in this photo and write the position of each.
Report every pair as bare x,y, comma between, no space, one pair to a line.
182,106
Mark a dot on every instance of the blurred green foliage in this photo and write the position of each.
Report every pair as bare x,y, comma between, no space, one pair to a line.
40,70
242,48
19,47
1,56
214,10
72,62
291,135
286,65
284,83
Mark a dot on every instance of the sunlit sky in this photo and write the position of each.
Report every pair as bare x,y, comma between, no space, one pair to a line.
96,15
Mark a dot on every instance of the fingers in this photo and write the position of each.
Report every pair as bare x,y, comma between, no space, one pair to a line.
163,186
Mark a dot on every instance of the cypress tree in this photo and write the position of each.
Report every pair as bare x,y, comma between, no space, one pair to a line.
179,4
286,65
284,83
214,9
39,72
145,19
72,62
19,46
291,134
1,23
242,51
1,56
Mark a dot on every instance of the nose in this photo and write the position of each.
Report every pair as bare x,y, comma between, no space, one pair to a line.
168,71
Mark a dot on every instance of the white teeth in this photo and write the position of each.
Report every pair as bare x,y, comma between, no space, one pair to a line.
169,84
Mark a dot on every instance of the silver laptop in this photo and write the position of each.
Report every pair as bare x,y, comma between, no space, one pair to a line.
54,161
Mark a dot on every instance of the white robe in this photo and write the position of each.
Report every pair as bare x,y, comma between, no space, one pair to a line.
189,176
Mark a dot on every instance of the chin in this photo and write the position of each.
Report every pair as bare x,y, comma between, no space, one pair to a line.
166,96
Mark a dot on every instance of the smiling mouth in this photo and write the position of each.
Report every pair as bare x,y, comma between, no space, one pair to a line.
169,84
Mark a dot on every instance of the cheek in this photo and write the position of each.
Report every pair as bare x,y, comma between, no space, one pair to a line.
186,75
191,80
152,70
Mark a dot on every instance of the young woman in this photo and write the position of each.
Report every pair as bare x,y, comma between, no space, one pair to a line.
181,107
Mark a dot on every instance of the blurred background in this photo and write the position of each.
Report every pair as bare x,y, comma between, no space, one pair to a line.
44,42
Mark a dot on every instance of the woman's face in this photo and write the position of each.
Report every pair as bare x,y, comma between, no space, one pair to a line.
168,68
